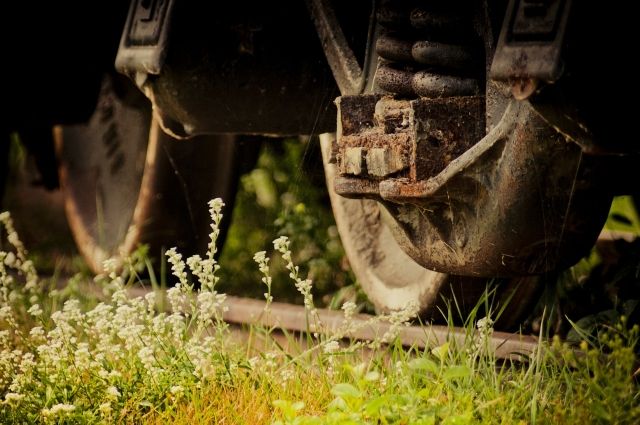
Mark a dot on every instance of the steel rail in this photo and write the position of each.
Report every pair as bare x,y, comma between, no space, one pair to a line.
364,327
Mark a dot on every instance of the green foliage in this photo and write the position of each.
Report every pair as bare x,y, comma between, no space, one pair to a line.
65,359
285,194
624,216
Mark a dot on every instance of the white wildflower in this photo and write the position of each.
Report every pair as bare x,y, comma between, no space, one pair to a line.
6,312
331,347
209,304
112,393
110,267
176,325
399,319
35,310
260,257
302,285
58,410
349,309
82,356
27,363
4,338
10,259
147,357
72,311
176,390
11,398
263,265
105,409
150,298
215,211
286,375
177,266
177,299
480,343
196,266
13,239
254,362
270,360
215,207
281,244
485,325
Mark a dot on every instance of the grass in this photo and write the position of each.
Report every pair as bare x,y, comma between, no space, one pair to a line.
69,357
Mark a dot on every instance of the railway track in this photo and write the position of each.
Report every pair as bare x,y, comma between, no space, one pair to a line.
293,318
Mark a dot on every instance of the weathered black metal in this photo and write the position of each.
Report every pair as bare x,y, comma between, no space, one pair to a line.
143,45
429,84
395,79
350,76
394,48
437,22
127,183
520,201
240,67
425,54
443,55
508,203
531,43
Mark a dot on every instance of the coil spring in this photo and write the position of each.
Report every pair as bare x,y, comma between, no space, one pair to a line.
428,49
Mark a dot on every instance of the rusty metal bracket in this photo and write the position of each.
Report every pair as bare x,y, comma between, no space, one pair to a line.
520,200
383,137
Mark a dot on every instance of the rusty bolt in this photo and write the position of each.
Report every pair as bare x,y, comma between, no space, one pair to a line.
384,161
523,88
352,161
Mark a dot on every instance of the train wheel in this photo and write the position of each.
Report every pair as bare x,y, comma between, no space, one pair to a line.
126,182
391,279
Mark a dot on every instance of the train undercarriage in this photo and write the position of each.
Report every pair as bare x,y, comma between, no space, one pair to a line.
461,140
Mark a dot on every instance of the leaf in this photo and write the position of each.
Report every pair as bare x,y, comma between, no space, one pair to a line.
426,420
463,419
287,408
338,403
373,407
441,351
423,364
457,372
280,404
600,412
304,420
345,390
424,393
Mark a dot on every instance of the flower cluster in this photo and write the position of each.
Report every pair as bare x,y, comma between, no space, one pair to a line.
399,319
302,285
63,362
481,343
263,265
124,342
